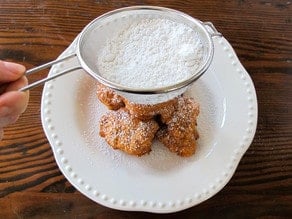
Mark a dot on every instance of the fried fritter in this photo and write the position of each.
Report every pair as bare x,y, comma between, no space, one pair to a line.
148,111
141,111
109,97
132,128
123,131
179,134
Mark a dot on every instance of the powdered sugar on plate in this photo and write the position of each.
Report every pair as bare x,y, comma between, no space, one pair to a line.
160,160
151,53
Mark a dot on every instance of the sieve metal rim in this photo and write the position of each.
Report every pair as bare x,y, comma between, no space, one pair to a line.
159,90
207,27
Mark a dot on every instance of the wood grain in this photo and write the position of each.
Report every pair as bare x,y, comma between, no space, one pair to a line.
35,32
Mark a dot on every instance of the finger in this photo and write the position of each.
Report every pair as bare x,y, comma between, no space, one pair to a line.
10,71
18,100
13,103
16,85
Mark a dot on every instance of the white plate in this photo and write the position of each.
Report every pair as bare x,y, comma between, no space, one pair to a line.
161,181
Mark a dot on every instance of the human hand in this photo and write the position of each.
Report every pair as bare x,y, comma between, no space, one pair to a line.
12,102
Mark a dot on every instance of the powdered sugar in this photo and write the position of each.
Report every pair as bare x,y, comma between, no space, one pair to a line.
160,160
90,111
151,53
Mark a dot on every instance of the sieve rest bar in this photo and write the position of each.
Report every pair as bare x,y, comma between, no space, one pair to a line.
214,31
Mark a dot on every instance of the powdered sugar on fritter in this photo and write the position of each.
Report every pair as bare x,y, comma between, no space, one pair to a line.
151,53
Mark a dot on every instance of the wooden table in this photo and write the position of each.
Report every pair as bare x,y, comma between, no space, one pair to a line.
35,32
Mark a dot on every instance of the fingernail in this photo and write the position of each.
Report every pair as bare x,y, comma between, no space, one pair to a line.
14,67
8,120
4,111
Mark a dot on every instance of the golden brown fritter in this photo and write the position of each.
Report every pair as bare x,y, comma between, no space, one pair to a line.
141,111
180,133
131,128
149,111
123,131
109,97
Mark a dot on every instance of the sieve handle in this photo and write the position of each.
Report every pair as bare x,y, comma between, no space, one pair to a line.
212,28
47,65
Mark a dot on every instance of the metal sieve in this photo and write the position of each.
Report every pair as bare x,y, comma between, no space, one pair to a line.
93,37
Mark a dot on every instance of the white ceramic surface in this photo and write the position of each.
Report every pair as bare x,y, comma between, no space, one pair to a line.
160,182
